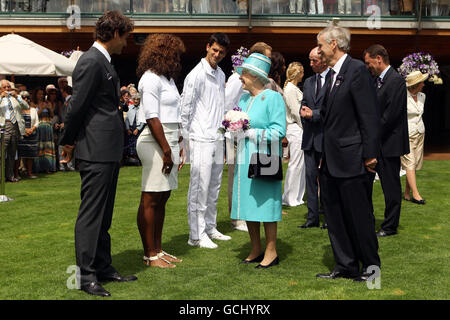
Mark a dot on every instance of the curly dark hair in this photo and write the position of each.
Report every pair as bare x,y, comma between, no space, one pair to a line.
161,54
277,67
109,22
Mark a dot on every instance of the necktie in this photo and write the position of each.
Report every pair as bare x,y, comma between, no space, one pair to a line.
379,82
330,83
319,84
12,115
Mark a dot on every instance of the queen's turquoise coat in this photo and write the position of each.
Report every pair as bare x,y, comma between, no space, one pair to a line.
259,199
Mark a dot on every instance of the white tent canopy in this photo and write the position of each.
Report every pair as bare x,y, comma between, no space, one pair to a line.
20,56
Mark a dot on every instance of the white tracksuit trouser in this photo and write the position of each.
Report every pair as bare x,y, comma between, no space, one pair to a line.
295,181
204,186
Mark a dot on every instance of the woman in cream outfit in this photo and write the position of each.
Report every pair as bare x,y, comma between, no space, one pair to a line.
158,145
294,183
413,161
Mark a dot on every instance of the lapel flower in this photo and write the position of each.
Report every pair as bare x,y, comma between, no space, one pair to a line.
339,80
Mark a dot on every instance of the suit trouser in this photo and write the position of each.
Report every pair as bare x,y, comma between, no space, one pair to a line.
348,212
92,240
204,186
294,182
312,160
388,170
11,140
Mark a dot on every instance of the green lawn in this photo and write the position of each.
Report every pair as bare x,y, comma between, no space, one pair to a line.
37,247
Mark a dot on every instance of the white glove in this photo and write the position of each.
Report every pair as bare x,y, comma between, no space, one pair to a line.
227,135
251,134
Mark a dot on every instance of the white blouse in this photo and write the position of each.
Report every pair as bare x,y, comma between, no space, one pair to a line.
293,97
415,111
159,99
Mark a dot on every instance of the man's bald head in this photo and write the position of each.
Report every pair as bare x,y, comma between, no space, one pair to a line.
316,62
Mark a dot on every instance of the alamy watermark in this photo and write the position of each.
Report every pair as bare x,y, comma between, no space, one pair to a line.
374,280
74,20
73,281
374,20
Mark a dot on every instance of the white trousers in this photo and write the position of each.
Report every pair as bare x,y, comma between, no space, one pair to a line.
204,186
295,181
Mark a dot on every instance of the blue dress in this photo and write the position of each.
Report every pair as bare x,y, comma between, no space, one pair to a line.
259,199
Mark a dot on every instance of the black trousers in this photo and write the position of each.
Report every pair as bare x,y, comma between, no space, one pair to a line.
348,212
312,160
92,240
388,169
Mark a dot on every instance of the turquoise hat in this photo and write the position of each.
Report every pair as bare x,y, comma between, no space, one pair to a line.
258,64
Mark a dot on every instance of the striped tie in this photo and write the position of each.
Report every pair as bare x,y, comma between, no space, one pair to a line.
12,115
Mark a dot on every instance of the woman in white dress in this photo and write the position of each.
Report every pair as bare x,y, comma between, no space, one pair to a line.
158,145
294,183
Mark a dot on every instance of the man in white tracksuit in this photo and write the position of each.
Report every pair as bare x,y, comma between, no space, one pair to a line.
202,112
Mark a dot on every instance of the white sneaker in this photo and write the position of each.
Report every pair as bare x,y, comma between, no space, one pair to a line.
203,243
241,227
216,235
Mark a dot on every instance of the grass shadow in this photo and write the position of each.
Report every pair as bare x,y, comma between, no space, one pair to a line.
328,257
128,262
284,249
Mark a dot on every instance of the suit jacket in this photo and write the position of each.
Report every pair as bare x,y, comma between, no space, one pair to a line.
394,121
18,105
351,121
93,118
312,128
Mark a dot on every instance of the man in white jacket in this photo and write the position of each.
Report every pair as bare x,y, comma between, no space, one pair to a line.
202,111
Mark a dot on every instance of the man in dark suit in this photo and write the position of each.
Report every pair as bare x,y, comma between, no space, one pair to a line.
314,89
391,93
93,123
351,143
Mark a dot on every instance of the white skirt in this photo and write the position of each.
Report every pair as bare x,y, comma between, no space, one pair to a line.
151,156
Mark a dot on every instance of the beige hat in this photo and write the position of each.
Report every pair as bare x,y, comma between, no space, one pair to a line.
50,87
415,77
13,87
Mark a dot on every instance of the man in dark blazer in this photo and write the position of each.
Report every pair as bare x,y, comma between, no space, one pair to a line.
351,143
314,89
391,93
93,123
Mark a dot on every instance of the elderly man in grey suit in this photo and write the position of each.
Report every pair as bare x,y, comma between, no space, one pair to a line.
13,104
93,122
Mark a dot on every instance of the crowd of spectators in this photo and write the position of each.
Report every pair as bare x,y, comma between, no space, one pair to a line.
36,149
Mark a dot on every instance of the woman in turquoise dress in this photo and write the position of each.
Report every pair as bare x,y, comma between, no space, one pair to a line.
259,200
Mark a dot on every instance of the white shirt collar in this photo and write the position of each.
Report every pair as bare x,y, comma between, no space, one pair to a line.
324,74
337,67
102,50
384,72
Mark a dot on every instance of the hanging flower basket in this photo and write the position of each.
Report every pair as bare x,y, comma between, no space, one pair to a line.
423,62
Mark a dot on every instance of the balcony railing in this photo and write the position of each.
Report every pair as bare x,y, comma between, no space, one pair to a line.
282,8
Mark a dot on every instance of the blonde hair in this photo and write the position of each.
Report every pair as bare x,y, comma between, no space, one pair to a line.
292,72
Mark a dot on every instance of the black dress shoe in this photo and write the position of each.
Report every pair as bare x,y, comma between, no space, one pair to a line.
275,262
309,225
383,233
257,259
115,277
324,226
418,201
336,275
95,289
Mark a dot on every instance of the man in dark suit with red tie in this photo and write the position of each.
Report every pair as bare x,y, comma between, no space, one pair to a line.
351,144
391,93
314,89
93,123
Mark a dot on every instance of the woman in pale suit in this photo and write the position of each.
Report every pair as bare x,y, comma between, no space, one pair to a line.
413,161
294,183
158,145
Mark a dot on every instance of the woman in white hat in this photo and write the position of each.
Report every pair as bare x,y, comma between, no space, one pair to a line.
413,160
259,200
